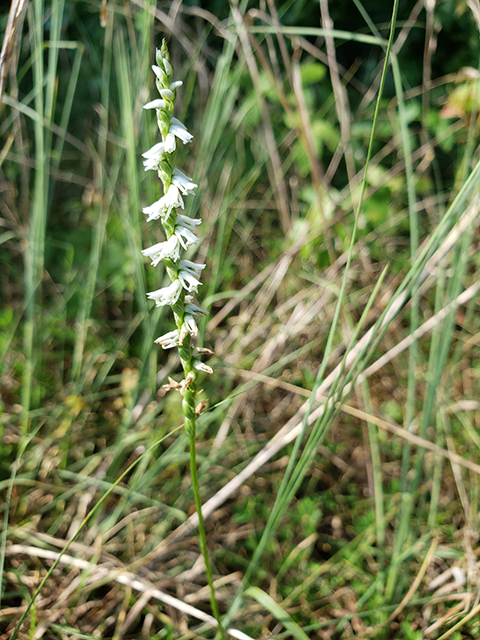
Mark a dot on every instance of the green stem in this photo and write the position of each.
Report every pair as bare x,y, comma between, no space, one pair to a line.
201,526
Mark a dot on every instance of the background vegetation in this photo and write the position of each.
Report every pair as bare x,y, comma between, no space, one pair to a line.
339,450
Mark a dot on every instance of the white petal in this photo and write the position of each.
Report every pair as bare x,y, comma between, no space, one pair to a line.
170,144
183,182
185,237
201,366
189,274
194,268
166,93
155,104
158,72
154,151
164,206
167,295
191,325
181,133
155,210
153,156
185,230
163,250
169,340
188,223
178,123
189,282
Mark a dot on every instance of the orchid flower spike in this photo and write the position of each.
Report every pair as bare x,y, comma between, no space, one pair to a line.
180,230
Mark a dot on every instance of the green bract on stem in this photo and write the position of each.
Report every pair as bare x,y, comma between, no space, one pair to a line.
180,233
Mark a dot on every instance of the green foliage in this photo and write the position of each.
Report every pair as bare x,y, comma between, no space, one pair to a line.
326,538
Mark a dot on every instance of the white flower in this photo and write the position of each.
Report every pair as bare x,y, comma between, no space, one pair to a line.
170,144
187,223
195,268
158,72
180,130
185,230
189,274
185,235
166,64
162,76
177,129
167,295
153,156
183,182
155,104
169,340
190,324
164,206
189,282
201,351
169,249
166,93
201,366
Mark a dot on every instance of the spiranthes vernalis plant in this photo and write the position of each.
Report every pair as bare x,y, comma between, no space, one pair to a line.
180,233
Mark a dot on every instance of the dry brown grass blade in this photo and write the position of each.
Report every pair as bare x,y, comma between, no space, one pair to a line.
473,613
274,167
15,16
397,47
341,98
475,8
412,438
303,131
292,428
449,617
241,295
416,583
318,177
100,573
136,610
452,456
303,312
427,326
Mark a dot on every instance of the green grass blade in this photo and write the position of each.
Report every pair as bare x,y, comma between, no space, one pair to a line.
277,612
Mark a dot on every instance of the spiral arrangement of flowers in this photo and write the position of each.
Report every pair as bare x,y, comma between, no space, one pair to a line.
180,232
